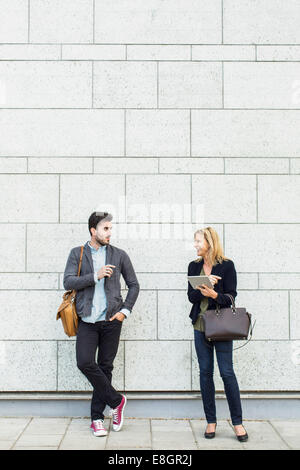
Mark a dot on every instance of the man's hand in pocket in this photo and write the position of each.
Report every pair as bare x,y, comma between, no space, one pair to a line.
119,316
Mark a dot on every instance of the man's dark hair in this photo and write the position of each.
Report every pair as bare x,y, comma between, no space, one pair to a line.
96,217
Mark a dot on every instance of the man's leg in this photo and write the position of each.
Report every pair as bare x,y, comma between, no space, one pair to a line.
86,345
109,337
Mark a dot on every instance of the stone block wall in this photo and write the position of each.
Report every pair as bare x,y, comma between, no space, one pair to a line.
173,115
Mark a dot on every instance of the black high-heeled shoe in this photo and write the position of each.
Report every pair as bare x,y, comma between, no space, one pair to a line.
210,435
242,437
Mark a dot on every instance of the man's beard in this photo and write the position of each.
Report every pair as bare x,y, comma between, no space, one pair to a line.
101,242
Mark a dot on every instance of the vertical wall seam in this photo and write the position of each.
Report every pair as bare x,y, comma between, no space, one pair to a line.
25,248
125,191
222,20
59,198
256,198
28,20
289,313
190,116
157,315
222,84
92,104
93,21
125,124
157,84
191,196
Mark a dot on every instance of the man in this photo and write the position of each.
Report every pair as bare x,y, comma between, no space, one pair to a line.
101,311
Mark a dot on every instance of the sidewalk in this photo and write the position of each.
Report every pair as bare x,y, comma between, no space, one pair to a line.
144,433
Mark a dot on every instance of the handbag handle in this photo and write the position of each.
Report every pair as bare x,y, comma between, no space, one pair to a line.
232,302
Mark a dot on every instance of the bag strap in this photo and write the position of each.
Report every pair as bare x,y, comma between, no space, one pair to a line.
80,261
251,326
249,316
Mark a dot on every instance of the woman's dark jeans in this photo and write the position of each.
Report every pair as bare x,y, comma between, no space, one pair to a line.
205,354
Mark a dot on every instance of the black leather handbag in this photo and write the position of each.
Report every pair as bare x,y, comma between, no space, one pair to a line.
227,324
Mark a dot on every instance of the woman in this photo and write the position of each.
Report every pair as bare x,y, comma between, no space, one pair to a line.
222,274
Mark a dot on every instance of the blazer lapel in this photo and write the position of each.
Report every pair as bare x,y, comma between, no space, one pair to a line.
214,269
108,255
88,254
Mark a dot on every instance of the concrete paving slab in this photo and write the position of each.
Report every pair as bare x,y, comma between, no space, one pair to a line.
225,436
6,445
289,431
38,440
87,443
144,433
47,426
135,434
262,436
79,424
35,448
11,428
172,434
80,437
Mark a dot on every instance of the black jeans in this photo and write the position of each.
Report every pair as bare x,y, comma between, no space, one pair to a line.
205,354
105,336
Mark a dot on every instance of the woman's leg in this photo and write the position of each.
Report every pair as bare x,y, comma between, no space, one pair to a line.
224,358
206,364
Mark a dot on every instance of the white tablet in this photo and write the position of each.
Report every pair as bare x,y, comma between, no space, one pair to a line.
199,280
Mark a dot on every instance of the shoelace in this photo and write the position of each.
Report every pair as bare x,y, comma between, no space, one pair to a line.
98,423
115,414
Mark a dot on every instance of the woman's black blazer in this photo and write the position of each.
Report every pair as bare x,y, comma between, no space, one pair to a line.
226,285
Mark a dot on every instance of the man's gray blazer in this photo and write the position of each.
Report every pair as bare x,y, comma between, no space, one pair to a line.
85,283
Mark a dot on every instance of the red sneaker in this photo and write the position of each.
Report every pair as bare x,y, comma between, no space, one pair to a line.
118,415
98,428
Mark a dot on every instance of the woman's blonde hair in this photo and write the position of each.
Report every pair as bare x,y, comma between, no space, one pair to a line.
215,251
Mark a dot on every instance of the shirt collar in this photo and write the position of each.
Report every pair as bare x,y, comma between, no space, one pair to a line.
102,248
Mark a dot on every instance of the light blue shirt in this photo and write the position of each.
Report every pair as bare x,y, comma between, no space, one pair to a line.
99,306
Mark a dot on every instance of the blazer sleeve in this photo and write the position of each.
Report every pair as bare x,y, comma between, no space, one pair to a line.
194,295
132,283
71,280
229,286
